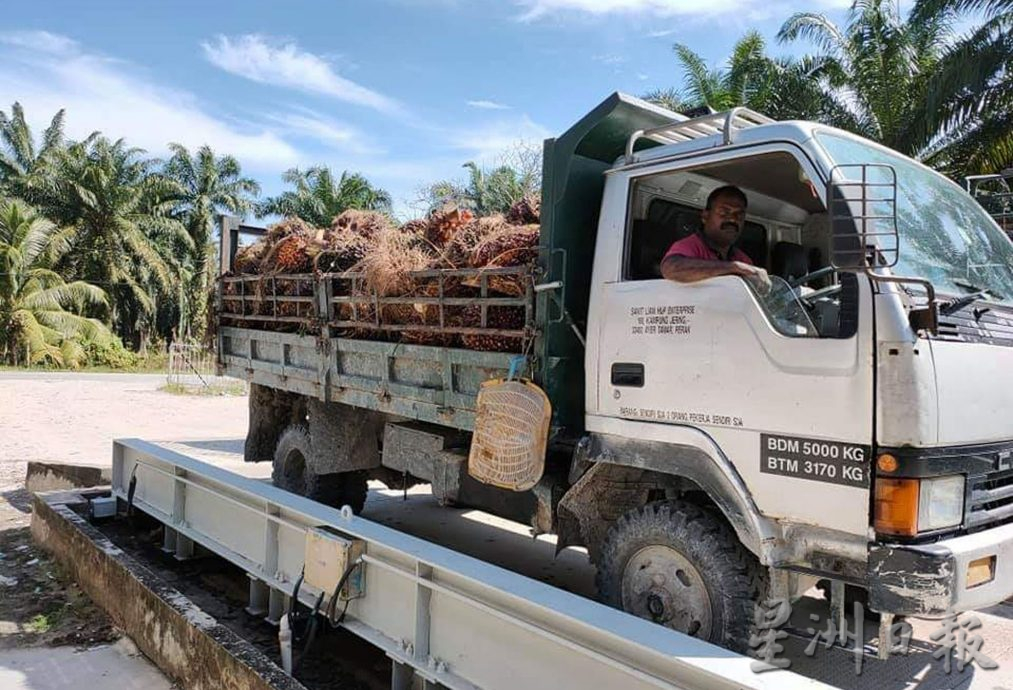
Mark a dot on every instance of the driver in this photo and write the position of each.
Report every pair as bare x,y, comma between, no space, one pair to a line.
711,251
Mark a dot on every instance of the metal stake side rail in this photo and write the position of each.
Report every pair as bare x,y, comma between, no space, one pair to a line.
451,619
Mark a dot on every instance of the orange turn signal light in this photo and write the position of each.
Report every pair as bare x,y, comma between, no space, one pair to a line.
896,506
887,463
980,571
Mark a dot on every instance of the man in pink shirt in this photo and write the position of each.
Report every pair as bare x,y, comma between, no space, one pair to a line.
711,252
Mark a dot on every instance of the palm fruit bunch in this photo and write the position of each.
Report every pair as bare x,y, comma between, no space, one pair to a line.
458,250
248,258
293,246
414,227
443,223
503,318
342,252
515,246
526,211
366,224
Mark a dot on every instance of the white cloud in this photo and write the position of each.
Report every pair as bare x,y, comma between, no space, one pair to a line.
534,9
42,41
488,105
267,61
491,141
304,122
661,34
609,59
46,72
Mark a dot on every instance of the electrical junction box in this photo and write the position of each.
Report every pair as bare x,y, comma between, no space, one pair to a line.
328,556
102,507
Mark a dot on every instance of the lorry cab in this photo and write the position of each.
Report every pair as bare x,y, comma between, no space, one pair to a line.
855,414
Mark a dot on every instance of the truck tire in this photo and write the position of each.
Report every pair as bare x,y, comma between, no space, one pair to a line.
681,566
291,472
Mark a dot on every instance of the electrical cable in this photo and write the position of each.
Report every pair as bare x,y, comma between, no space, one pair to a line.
332,602
131,488
311,634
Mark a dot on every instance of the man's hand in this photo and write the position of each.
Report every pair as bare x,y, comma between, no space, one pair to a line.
754,274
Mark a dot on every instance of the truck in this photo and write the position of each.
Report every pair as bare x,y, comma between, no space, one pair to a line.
711,444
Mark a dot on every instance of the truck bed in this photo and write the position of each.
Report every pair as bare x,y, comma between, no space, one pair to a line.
430,384
291,332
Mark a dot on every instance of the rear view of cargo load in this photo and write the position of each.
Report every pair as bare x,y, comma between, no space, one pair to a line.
453,280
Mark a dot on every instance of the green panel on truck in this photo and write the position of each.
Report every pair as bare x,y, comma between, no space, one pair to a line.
572,182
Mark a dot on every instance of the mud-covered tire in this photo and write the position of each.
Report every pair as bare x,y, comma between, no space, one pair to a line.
291,472
716,582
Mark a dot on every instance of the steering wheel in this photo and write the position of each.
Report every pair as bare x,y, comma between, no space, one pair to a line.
810,299
811,276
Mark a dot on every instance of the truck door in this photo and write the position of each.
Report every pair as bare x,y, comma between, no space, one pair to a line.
789,404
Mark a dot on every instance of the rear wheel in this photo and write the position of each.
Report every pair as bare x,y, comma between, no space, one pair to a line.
681,566
292,472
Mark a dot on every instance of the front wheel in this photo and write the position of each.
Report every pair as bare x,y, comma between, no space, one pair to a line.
680,565
291,471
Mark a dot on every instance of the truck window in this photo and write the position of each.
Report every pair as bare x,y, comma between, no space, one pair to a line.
786,233
668,221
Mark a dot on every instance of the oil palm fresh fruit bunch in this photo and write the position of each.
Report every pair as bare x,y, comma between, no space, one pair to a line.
513,247
503,318
443,223
526,211
367,224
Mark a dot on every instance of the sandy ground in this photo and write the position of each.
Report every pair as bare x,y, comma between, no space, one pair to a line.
68,418
119,666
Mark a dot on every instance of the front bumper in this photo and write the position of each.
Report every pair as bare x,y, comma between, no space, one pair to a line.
930,580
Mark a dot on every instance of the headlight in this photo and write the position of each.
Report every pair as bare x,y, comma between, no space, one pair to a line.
940,503
906,507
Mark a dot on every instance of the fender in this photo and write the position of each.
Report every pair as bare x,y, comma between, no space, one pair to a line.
701,462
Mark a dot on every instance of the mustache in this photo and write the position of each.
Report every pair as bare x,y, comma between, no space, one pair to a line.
729,224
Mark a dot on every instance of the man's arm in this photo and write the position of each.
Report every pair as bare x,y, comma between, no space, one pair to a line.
684,269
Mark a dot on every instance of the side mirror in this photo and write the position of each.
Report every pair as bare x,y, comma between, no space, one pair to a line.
862,207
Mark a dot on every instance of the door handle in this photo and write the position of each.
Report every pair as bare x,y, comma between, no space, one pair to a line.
628,374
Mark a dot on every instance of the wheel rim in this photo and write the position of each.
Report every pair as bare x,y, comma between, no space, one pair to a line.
662,585
294,472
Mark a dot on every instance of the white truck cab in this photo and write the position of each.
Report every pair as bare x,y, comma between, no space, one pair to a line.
863,433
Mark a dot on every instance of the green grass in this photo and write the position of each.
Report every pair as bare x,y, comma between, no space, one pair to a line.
42,623
155,364
231,388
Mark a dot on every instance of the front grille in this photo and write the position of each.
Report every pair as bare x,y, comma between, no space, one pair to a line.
990,500
990,326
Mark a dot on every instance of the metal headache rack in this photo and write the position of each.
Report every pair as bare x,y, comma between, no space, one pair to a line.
724,123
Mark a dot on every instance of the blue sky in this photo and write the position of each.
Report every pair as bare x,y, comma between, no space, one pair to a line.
404,91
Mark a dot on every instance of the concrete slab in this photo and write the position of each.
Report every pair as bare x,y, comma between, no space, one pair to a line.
119,666
187,644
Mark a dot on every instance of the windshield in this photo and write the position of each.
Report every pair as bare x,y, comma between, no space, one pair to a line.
945,236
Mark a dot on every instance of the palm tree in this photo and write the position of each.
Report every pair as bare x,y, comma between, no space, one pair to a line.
780,87
486,191
208,186
914,85
41,314
119,212
318,197
24,169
